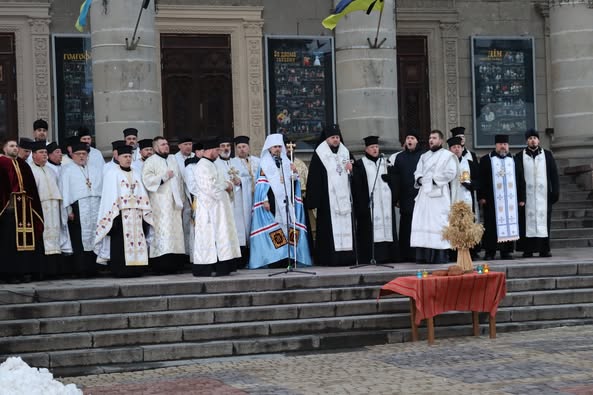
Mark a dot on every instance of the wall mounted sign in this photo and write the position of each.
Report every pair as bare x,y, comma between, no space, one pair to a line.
503,71
301,88
73,84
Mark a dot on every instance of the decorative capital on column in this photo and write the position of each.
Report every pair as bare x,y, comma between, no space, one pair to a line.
559,3
449,29
39,25
253,29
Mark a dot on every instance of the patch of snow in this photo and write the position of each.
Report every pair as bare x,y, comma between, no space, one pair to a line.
18,378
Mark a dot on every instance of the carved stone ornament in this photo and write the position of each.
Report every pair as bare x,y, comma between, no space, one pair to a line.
40,38
441,4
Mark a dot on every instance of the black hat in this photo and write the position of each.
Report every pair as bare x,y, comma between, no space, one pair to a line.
185,139
454,141
51,147
211,142
224,139
40,124
197,146
241,140
531,133
116,144
501,138
124,149
145,143
69,141
38,145
80,147
413,133
457,131
83,131
26,143
130,132
332,130
370,140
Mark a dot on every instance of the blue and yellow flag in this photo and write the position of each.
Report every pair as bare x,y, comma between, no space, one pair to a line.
347,6
84,11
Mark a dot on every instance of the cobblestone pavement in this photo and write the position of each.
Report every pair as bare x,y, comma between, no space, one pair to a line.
548,361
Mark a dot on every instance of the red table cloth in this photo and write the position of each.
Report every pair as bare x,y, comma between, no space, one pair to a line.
436,294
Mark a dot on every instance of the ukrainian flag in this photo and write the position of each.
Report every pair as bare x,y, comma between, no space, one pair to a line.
347,6
84,11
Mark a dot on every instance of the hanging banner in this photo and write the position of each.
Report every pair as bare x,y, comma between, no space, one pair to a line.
503,71
73,84
301,90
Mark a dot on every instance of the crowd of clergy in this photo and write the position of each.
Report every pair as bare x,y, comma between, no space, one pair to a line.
216,208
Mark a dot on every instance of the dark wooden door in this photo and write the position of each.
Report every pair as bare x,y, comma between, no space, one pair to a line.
197,85
8,103
414,96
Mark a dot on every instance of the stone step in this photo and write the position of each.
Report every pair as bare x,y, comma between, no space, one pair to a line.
571,243
571,213
120,359
572,223
575,195
573,233
570,187
576,204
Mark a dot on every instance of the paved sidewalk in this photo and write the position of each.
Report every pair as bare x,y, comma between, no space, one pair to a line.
548,361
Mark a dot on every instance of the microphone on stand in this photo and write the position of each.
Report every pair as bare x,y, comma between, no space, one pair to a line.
278,161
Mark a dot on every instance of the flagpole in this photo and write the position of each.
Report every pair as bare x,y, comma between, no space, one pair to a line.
375,45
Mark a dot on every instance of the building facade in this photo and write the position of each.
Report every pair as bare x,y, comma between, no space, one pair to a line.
201,67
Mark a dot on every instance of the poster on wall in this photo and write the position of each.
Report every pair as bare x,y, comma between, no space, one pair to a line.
73,84
503,71
300,82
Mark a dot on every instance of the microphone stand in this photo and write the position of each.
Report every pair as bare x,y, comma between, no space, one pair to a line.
373,261
291,268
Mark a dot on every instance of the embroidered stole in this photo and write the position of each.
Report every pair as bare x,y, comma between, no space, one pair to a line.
536,202
505,198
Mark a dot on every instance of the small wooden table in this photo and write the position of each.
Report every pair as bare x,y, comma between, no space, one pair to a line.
433,295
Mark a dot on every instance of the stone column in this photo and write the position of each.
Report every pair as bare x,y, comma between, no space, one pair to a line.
366,78
40,44
571,49
125,85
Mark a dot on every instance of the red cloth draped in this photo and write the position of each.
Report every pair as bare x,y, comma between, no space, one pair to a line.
435,294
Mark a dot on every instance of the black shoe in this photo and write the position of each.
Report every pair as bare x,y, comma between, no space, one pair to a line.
547,254
506,256
528,255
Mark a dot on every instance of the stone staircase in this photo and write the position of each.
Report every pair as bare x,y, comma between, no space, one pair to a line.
80,327
572,216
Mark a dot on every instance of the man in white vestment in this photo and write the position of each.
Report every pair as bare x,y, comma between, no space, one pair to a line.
113,163
95,156
125,217
464,186
434,171
328,192
216,245
81,187
163,181
459,131
131,139
247,165
54,158
498,197
188,177
145,147
540,188
56,239
375,219
185,152
230,167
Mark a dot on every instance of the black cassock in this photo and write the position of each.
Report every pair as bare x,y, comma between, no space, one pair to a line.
317,197
384,251
490,238
537,244
401,181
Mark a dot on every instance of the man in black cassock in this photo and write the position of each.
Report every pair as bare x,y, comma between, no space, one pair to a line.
541,185
375,219
328,192
459,131
499,195
401,181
